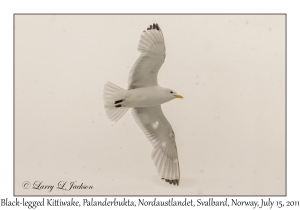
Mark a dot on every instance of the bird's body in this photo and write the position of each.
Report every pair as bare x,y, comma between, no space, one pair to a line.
145,96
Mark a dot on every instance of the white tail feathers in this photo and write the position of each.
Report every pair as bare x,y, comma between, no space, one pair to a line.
113,101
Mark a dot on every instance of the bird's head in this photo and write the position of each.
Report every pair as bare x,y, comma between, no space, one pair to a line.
172,94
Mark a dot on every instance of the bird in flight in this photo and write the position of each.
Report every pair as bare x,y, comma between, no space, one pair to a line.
145,96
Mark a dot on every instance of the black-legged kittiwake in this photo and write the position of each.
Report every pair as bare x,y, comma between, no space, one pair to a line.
145,96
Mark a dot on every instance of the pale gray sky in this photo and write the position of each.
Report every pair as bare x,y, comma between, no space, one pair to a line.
229,127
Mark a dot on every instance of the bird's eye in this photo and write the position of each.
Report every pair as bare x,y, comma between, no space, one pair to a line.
171,92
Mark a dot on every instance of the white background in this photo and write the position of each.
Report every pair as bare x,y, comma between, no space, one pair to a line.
6,73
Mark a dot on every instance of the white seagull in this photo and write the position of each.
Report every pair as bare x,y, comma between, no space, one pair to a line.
145,96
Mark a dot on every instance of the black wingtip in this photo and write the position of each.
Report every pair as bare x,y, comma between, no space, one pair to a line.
154,26
172,181
157,27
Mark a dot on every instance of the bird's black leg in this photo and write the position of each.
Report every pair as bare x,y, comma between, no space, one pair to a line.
119,101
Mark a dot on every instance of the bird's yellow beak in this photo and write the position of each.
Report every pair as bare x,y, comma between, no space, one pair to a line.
178,96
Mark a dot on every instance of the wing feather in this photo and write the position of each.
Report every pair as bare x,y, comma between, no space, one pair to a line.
160,133
152,47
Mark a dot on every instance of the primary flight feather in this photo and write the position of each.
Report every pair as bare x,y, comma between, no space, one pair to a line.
145,96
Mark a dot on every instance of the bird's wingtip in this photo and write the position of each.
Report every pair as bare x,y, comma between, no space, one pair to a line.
172,181
154,26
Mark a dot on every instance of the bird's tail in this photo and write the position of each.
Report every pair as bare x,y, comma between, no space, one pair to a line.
112,95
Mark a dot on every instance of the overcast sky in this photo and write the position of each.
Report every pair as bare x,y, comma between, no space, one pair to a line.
229,127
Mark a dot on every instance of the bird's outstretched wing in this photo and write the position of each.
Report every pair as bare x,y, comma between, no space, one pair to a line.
160,133
152,47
